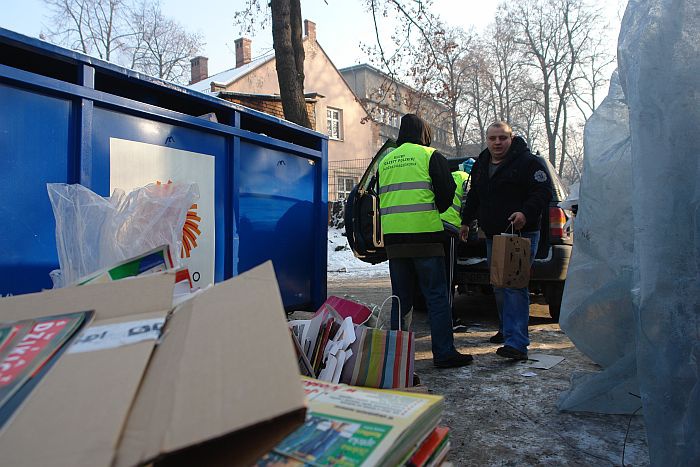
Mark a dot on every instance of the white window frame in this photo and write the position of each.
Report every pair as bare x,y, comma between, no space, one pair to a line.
340,190
334,115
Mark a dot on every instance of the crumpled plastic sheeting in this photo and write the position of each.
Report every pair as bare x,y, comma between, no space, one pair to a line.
93,233
597,309
659,67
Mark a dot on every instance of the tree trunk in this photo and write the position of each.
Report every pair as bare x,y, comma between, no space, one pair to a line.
563,145
289,57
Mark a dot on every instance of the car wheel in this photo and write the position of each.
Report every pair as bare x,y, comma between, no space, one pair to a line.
553,293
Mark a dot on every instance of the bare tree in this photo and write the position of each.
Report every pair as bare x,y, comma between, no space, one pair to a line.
479,96
133,34
443,72
289,58
593,72
573,154
287,40
95,27
160,46
556,35
507,68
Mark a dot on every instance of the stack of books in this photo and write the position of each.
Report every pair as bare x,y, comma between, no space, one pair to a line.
353,426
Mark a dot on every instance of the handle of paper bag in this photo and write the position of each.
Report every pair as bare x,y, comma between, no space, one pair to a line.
512,229
379,314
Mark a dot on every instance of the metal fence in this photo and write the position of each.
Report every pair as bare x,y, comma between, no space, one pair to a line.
343,176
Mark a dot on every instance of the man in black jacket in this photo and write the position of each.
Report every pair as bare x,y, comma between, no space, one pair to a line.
415,186
509,186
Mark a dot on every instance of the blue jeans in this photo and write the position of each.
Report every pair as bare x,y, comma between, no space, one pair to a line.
514,304
429,274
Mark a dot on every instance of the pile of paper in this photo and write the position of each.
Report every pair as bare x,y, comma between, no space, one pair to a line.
352,426
323,343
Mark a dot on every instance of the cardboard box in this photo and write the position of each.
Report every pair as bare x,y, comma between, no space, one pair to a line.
221,387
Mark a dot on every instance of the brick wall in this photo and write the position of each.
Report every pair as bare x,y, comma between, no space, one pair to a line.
270,106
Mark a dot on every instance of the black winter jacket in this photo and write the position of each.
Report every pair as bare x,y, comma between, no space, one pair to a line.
520,183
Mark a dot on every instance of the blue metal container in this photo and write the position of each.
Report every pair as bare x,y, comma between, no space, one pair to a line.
59,113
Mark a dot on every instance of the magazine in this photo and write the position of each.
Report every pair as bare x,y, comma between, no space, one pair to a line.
29,351
156,260
355,426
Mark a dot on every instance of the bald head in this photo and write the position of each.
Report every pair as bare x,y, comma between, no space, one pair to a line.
499,135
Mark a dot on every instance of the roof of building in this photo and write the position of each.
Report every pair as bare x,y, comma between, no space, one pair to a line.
370,68
309,96
227,77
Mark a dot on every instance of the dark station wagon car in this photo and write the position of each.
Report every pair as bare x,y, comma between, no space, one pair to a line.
364,234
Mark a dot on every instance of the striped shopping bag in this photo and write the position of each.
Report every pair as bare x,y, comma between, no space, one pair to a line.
380,359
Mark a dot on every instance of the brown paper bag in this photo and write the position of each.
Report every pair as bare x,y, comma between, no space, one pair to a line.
510,261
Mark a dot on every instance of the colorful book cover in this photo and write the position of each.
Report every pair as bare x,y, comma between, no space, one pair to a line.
7,333
326,440
428,448
10,334
26,356
355,426
156,260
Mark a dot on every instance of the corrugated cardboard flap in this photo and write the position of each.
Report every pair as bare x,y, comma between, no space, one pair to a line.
77,412
130,296
225,363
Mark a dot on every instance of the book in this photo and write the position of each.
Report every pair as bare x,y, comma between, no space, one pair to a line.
431,448
10,333
304,365
31,350
354,426
156,260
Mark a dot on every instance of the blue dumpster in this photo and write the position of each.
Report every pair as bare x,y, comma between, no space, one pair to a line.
66,117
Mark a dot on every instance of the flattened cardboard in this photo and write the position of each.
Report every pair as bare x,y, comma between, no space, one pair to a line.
111,300
222,387
76,413
224,364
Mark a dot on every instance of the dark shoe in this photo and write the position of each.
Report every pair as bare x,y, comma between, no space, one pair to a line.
509,352
459,326
455,361
497,338
416,380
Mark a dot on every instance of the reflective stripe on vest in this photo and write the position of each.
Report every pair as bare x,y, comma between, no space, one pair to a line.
406,186
406,198
453,214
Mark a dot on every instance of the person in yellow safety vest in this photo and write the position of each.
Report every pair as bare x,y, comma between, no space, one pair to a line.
415,186
452,221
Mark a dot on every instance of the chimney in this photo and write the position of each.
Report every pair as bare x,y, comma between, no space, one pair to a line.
242,46
310,30
199,69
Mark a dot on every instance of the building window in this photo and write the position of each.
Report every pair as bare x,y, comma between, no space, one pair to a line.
394,120
334,119
345,186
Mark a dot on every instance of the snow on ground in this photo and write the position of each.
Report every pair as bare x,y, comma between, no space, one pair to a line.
342,262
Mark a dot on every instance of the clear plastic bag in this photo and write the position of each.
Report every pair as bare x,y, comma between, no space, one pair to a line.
633,288
93,232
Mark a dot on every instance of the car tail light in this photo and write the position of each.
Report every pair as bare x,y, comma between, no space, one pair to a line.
557,219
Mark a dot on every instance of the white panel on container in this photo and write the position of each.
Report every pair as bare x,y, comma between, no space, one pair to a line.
133,164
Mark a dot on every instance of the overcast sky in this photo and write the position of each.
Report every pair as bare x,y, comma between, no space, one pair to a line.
340,24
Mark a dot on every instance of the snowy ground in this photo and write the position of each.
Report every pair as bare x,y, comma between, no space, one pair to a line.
342,262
